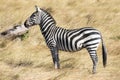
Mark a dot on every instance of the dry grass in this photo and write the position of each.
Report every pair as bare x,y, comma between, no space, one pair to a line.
30,59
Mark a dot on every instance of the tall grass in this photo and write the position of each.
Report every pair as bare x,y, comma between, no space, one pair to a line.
30,59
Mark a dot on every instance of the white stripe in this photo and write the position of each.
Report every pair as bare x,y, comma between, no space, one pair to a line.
61,35
59,44
46,27
48,18
77,31
88,38
92,46
65,41
94,41
79,36
92,54
90,31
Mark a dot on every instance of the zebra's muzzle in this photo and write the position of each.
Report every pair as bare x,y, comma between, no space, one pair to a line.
26,24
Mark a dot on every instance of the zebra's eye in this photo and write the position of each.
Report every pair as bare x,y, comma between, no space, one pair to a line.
33,15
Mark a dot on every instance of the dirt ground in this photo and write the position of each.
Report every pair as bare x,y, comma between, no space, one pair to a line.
30,59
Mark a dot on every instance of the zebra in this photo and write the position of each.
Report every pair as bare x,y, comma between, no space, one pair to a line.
71,40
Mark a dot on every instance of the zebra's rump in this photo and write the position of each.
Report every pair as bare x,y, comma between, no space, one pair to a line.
74,40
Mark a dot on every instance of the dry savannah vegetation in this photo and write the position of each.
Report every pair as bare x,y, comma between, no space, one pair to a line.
30,59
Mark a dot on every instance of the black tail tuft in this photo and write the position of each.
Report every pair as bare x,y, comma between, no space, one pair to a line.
104,54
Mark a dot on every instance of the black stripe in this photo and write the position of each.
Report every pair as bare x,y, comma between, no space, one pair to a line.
91,40
92,33
64,41
46,19
57,35
49,42
61,40
45,25
84,36
67,41
80,30
91,48
48,31
91,44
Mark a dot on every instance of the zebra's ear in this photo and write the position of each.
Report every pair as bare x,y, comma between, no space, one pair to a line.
37,8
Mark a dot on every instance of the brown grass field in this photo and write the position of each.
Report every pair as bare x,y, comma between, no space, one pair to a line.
30,59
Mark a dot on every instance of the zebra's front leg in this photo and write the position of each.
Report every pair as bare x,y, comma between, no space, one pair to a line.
55,56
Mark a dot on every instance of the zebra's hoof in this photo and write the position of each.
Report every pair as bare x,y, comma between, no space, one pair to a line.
57,67
93,72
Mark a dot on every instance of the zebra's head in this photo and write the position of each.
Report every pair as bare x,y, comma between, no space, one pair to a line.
34,19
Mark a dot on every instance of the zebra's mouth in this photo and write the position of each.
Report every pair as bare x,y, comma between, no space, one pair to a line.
26,25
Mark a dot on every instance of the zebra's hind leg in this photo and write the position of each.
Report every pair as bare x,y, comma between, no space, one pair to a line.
94,58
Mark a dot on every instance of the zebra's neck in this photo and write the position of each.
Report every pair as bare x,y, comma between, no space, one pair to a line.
49,28
47,23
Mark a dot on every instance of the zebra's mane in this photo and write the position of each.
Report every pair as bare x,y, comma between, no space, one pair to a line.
48,15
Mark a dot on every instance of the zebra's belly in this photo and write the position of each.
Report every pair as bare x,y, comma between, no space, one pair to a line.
70,48
67,50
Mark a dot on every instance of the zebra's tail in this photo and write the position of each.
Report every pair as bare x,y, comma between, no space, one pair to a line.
104,54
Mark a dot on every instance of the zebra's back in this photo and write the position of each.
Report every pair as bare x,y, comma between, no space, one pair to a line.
76,39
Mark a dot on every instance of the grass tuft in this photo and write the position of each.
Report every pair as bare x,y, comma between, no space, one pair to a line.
15,77
115,38
24,36
2,45
23,63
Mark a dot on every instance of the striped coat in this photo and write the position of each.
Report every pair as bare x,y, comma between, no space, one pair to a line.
58,38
